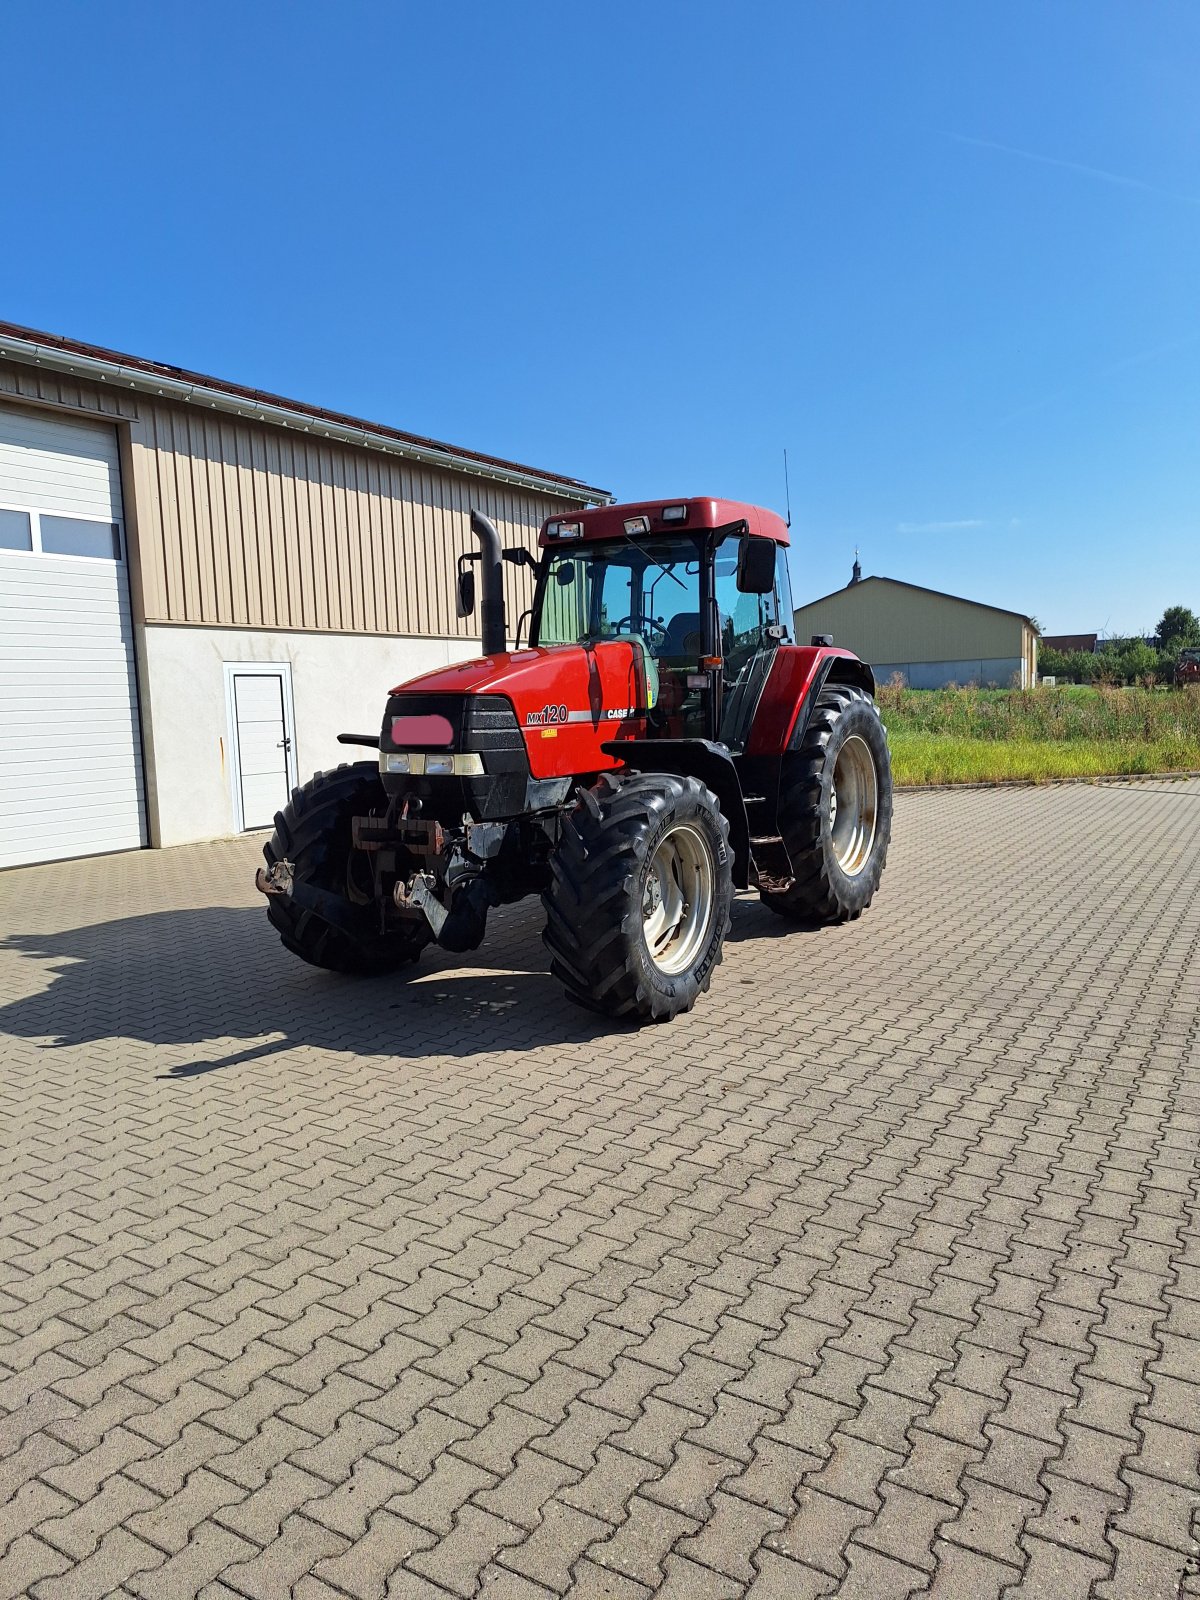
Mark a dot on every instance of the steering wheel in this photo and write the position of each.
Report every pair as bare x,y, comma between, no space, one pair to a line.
648,626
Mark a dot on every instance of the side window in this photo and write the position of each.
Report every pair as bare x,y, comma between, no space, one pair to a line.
564,604
745,618
785,612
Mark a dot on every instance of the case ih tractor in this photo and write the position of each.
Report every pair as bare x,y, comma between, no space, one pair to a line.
659,744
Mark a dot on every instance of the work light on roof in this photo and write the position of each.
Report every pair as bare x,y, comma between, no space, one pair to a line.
564,530
674,513
636,525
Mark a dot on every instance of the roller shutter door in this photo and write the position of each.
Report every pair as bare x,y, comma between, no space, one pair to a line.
70,744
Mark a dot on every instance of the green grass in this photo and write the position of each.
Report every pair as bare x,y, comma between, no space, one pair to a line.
923,758
987,736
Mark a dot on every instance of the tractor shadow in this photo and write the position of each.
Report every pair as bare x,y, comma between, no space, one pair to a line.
214,985
753,921
218,976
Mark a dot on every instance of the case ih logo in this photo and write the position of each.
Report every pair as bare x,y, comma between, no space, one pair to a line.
547,715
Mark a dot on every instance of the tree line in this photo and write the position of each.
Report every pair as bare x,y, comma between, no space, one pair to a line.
1132,660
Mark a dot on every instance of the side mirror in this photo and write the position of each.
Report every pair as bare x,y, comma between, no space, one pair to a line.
756,565
466,591
564,575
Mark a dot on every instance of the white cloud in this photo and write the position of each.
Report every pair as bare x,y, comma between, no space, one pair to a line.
939,527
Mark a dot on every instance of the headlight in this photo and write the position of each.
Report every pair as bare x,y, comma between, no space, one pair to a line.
416,764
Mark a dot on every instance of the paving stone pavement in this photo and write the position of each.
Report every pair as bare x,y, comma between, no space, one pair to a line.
877,1275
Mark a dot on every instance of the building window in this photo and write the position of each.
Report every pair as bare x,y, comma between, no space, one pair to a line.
72,536
16,531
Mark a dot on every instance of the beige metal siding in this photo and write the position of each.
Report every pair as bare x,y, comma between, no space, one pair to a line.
241,524
884,621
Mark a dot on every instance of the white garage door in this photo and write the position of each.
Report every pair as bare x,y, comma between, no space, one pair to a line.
70,748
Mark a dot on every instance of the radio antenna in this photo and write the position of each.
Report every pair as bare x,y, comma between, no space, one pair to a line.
787,488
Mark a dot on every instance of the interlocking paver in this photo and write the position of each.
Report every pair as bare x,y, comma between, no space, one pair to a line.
439,1286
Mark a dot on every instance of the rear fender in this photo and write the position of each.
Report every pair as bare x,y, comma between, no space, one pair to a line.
797,676
696,758
834,669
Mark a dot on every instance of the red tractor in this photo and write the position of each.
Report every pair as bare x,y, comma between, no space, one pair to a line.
1187,668
659,744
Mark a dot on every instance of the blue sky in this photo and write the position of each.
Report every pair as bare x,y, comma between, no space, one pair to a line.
949,255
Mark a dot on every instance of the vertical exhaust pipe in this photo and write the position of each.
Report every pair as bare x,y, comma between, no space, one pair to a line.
491,610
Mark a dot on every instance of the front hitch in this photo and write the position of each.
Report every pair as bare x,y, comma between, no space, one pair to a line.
420,894
458,928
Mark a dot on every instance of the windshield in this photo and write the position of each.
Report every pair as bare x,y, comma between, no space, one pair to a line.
617,589
651,590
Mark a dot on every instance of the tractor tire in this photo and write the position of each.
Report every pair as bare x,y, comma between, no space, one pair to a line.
641,886
313,833
835,810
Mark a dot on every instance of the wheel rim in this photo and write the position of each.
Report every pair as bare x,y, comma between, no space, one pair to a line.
677,899
853,804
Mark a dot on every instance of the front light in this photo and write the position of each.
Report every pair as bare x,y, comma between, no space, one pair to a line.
416,764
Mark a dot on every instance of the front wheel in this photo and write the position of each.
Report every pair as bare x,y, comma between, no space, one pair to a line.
313,833
640,895
835,810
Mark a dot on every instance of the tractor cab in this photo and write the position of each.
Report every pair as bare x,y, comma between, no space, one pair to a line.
700,587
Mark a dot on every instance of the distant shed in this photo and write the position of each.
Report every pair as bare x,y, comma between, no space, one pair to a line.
928,639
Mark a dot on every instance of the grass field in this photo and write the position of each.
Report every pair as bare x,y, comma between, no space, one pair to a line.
988,735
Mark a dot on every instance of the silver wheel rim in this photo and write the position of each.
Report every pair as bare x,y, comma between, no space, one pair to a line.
853,805
677,899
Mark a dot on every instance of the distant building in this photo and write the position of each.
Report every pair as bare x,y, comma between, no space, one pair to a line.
1070,643
926,638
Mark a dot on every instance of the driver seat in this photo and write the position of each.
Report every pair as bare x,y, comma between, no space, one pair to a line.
683,625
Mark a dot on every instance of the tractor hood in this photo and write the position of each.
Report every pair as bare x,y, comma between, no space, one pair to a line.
567,698
495,674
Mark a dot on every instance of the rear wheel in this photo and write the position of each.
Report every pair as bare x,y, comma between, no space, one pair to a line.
640,895
835,810
313,833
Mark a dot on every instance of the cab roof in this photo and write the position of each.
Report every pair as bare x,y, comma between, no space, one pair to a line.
663,516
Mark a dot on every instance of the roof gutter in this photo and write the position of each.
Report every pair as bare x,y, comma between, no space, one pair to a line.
217,399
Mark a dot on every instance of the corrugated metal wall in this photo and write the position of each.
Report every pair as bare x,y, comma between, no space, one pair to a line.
882,621
245,525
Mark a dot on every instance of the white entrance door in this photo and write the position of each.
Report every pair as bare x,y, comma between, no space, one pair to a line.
70,741
263,741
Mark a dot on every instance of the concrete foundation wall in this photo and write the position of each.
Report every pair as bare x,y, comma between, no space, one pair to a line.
1001,672
339,685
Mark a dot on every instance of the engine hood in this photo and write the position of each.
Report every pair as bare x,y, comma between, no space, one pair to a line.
568,698
496,674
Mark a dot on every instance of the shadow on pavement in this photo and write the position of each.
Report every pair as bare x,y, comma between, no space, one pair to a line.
185,978
189,977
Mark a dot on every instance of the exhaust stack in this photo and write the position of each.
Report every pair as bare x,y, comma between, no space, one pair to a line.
491,574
